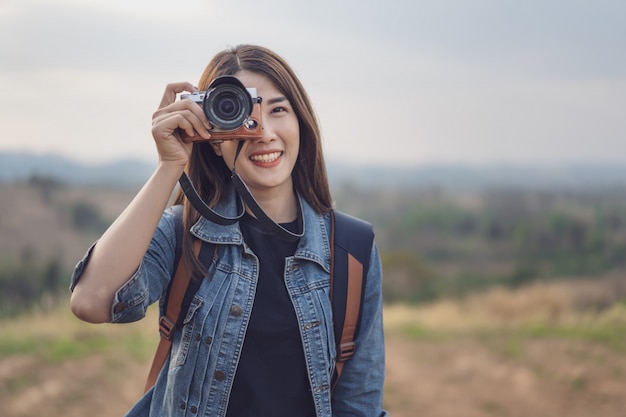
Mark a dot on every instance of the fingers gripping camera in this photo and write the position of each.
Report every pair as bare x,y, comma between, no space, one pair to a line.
233,110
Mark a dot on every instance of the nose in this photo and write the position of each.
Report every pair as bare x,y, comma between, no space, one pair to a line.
267,130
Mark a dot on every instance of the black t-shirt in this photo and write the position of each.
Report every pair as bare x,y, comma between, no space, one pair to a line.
271,378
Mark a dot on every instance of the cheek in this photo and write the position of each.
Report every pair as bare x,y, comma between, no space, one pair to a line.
294,132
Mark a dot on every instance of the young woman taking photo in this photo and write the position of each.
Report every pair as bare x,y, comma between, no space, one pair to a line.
257,338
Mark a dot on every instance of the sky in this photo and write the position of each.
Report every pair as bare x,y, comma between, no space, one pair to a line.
401,82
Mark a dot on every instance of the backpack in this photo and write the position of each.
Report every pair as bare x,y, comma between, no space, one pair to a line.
352,241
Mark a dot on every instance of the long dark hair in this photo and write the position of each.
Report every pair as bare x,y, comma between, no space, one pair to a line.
209,172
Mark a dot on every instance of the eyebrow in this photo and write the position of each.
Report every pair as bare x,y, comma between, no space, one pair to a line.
276,100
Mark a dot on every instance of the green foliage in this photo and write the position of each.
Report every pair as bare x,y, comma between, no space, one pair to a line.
58,348
139,346
45,227
460,285
46,186
509,342
449,244
24,282
64,347
407,278
522,275
10,346
433,243
86,217
607,334
418,332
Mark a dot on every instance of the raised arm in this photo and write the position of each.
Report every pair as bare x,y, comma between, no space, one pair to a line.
119,251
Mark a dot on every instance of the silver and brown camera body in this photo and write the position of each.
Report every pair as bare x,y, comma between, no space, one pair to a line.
233,110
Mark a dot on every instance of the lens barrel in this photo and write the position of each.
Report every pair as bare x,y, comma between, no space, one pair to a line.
227,104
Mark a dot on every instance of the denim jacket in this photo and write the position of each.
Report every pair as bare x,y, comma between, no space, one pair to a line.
197,378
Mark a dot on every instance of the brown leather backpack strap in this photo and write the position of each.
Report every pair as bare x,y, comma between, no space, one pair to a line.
353,306
351,245
167,322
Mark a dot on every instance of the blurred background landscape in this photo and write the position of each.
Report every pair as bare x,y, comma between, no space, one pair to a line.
504,287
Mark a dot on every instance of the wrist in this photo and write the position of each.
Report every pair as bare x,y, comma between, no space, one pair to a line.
173,167
168,172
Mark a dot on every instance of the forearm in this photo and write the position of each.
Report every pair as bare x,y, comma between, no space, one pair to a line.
121,248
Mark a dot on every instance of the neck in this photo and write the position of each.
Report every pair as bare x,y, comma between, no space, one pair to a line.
280,207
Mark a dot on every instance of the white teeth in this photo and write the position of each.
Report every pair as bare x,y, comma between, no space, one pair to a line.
266,157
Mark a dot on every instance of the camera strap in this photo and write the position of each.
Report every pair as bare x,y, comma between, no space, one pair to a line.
207,212
269,224
244,194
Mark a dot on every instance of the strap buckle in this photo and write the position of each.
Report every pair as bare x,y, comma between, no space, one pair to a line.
346,350
166,328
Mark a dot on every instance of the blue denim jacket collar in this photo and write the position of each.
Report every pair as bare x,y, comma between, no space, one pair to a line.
313,245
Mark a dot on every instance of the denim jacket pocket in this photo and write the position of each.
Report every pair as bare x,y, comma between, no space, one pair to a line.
182,348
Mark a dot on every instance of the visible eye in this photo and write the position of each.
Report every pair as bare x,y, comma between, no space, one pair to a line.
278,109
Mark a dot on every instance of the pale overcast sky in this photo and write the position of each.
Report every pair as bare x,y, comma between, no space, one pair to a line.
394,81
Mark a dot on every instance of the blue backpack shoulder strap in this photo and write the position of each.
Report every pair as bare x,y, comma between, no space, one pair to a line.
352,241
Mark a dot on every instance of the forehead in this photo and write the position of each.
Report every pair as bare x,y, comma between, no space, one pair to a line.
263,85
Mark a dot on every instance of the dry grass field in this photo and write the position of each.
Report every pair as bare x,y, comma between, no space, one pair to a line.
533,352
528,353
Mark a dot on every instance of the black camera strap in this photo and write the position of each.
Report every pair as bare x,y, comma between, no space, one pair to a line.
207,212
269,224
244,193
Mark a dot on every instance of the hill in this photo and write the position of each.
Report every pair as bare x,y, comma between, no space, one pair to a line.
45,227
434,242
19,166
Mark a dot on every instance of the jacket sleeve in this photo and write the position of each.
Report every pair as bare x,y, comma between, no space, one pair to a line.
149,283
359,391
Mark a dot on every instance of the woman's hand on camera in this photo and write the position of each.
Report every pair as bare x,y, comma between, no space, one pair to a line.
175,122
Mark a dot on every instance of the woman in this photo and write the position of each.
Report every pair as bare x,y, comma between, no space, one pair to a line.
258,338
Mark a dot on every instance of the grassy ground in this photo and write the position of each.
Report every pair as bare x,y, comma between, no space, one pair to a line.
531,352
51,364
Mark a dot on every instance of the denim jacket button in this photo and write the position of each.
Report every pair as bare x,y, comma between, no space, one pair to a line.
119,308
235,311
219,375
193,409
209,340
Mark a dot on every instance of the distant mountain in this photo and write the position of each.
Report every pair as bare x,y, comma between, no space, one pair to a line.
471,177
22,166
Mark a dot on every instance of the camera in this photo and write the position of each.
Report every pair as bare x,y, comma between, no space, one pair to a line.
232,109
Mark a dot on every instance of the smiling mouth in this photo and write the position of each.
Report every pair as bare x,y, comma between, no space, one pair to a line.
266,157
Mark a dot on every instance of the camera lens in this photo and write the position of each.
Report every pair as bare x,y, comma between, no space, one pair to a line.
228,105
